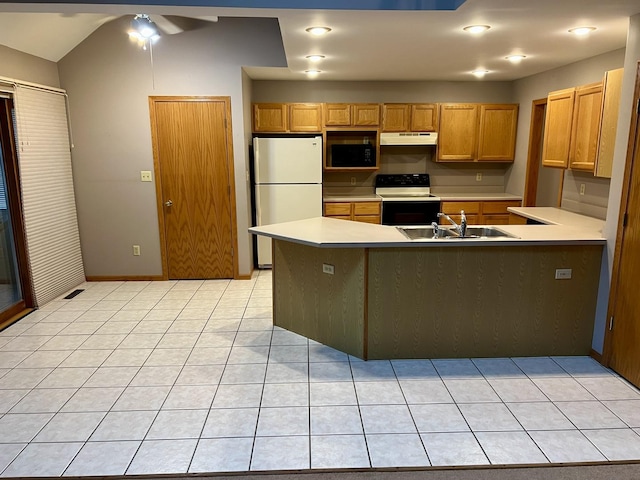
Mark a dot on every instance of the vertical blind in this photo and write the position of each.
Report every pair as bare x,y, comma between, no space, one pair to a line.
50,219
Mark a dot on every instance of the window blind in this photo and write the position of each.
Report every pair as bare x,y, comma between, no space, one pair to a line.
49,208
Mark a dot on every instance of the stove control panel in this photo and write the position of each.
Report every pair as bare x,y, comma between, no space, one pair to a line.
403,180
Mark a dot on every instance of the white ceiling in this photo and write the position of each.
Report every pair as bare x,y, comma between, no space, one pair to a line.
372,45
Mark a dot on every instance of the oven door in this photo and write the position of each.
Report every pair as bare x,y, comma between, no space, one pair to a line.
410,212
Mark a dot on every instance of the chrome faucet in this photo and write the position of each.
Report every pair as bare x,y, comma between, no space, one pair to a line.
461,229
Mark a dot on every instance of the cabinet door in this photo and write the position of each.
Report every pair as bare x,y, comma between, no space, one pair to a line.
458,135
364,114
337,209
395,117
609,122
424,117
305,117
585,128
337,114
270,117
498,207
557,128
496,219
497,134
455,207
366,208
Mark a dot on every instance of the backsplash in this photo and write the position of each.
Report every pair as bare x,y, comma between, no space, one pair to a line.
596,194
445,177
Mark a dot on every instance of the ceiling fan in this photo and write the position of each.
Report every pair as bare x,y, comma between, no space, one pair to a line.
148,28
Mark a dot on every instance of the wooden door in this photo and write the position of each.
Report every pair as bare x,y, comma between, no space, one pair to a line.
622,342
458,137
557,128
194,173
612,88
365,114
585,128
337,114
497,133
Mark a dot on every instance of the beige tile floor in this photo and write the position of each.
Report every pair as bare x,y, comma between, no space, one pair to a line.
191,376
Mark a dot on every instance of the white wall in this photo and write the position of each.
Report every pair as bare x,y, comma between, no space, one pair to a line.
109,80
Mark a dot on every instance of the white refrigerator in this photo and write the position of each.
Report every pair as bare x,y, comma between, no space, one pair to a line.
288,183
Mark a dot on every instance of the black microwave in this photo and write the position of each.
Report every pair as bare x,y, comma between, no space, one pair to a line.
353,155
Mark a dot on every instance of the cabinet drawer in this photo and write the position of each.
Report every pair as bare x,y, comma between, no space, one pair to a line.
498,207
367,218
333,208
366,208
455,207
339,217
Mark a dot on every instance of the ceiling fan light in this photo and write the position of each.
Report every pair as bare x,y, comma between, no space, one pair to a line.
143,25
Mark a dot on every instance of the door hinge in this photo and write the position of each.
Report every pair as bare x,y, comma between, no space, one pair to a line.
625,219
611,323
232,252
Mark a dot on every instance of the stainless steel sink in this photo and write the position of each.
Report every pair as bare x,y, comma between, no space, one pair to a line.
486,232
422,233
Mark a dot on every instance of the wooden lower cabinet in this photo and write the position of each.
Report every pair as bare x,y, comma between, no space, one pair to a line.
489,212
368,212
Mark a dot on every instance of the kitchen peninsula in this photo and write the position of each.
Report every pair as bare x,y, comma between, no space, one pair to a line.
370,291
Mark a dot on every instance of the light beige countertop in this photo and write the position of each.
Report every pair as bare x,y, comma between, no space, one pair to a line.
447,197
481,197
351,198
557,216
325,232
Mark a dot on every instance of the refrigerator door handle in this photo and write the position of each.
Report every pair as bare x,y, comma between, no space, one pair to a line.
256,156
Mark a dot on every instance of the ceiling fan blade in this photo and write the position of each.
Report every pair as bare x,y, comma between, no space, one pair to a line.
166,25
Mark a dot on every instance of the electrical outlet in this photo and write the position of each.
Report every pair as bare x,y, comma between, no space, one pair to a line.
145,176
582,188
563,273
478,177
353,180
326,268
136,250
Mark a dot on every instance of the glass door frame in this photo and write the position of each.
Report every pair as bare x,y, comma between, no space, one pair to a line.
12,177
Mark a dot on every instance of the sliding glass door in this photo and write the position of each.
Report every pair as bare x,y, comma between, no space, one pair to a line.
15,283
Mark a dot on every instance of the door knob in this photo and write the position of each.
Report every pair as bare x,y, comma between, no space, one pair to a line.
168,203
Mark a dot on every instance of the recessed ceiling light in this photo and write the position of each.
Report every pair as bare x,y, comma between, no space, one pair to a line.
480,72
580,31
314,58
515,58
318,30
476,28
312,73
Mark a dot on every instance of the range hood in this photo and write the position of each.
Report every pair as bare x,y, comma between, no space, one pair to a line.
409,138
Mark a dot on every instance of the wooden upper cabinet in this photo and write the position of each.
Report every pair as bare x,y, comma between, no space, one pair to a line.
351,114
457,139
497,133
337,114
270,117
305,117
424,117
585,128
609,122
287,117
409,117
557,129
365,114
395,117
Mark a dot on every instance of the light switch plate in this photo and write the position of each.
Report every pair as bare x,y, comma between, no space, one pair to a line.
145,176
327,268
